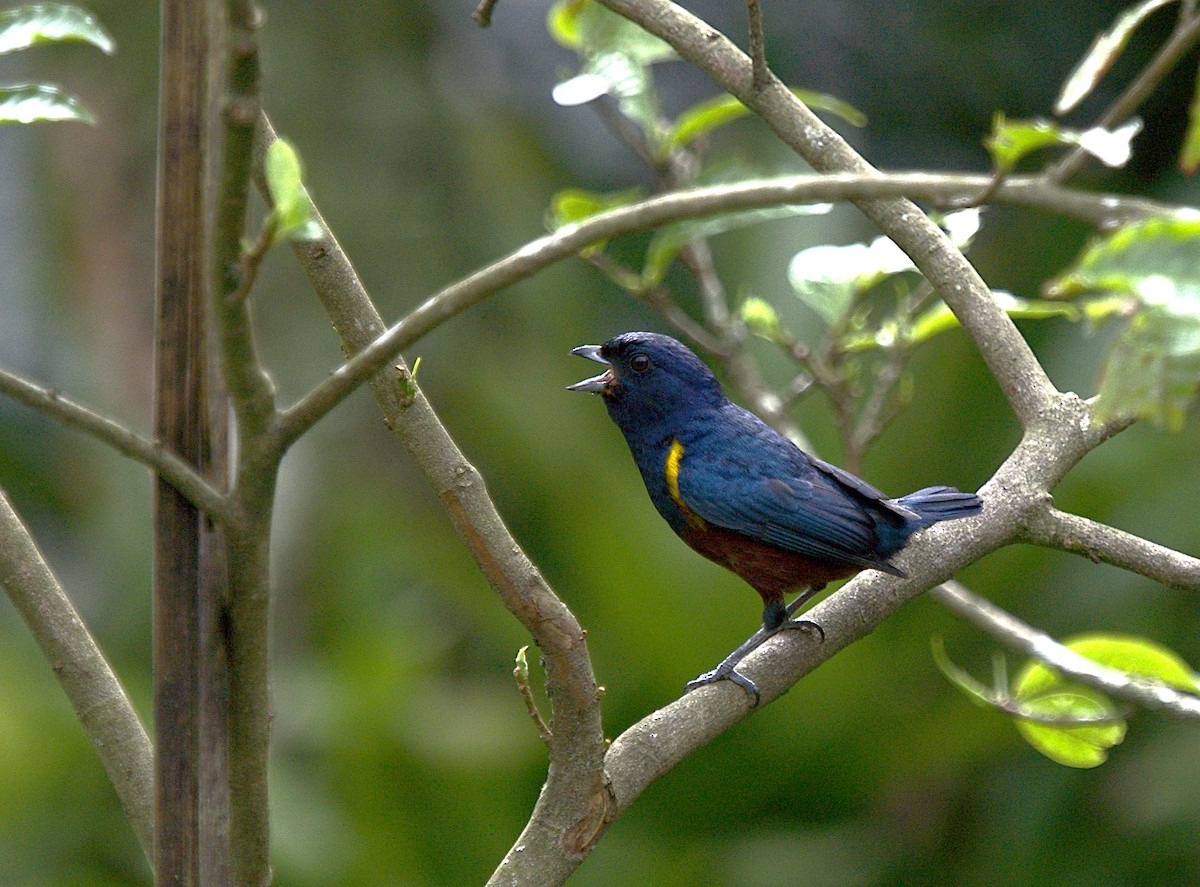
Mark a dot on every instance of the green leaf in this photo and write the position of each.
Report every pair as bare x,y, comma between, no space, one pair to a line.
939,318
592,29
1153,371
713,113
1042,691
1082,745
1010,141
40,102
571,205
293,210
562,21
36,23
1100,57
829,278
760,318
1189,154
671,238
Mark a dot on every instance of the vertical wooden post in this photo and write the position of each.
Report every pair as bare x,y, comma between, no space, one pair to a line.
190,696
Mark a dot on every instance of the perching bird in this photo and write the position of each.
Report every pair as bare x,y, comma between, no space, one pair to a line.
742,494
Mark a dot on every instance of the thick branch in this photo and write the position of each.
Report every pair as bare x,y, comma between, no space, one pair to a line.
178,473
1099,542
691,203
1008,356
91,686
575,805
1025,639
259,451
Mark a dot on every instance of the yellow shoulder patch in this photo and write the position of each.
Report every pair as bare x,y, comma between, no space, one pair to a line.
671,473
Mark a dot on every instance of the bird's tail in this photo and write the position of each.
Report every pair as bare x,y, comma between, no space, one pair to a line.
935,504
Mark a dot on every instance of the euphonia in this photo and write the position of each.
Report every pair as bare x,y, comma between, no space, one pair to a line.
743,495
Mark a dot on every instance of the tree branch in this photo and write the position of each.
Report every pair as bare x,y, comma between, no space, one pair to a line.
91,686
1099,542
1186,33
1009,358
574,805
1025,639
178,473
259,451
687,204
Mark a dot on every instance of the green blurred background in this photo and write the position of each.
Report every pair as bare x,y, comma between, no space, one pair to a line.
403,755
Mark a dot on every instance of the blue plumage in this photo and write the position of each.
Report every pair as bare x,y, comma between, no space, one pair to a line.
742,494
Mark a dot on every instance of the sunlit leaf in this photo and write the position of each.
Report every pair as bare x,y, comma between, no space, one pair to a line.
1153,371
40,102
713,113
1101,55
293,209
939,318
760,319
1189,154
1112,147
35,23
571,205
1041,690
1012,140
592,29
562,21
829,278
1080,745
1138,656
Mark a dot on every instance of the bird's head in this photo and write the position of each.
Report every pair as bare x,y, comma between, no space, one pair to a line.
649,379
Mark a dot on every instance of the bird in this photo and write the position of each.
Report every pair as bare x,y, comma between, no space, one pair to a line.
745,496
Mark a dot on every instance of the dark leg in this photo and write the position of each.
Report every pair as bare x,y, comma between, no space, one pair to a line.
776,618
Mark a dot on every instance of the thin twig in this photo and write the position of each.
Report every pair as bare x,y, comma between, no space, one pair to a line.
521,675
1024,639
1184,37
483,13
758,46
170,467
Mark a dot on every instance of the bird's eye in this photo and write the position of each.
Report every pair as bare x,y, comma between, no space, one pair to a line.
639,363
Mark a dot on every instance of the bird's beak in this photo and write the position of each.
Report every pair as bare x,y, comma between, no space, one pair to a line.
600,384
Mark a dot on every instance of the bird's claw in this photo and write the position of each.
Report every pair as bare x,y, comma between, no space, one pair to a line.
727,670
807,626
725,674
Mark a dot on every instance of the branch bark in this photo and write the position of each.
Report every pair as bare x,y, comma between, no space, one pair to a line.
1008,356
575,804
691,203
1052,528
91,686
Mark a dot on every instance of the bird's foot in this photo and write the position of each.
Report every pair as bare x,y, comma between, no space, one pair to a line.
727,670
721,673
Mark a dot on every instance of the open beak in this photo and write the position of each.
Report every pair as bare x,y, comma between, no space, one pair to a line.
600,384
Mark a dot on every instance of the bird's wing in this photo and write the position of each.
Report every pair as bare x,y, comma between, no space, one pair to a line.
767,489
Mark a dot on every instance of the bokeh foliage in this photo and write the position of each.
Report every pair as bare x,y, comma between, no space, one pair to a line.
403,752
